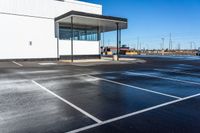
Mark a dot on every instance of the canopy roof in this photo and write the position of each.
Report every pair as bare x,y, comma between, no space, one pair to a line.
104,23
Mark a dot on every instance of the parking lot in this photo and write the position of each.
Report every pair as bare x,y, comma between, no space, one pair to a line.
151,95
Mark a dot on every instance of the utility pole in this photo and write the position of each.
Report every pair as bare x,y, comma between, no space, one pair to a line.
103,40
147,45
194,45
163,43
135,46
170,41
191,45
138,43
161,46
179,46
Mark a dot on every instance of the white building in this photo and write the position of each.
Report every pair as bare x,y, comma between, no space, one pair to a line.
53,29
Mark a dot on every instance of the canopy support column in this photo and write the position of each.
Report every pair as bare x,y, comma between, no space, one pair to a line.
99,39
58,38
72,40
117,41
120,38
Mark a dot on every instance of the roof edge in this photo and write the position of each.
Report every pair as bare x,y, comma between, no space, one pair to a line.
77,13
83,3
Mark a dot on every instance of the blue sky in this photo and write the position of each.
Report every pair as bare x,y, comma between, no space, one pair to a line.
151,20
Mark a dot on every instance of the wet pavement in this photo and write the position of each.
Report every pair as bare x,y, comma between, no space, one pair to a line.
103,99
160,94
174,88
25,108
180,117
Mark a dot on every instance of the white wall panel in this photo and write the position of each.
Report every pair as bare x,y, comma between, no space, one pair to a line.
80,47
64,47
46,8
17,31
86,48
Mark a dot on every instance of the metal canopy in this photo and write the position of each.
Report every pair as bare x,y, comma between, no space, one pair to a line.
104,23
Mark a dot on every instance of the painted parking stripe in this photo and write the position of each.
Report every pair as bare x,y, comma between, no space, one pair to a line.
44,71
50,78
13,81
73,75
133,114
46,64
135,87
17,63
67,102
172,79
175,71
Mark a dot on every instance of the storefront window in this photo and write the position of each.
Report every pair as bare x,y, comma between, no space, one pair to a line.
79,34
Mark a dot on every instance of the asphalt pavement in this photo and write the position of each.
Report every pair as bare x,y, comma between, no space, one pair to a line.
151,94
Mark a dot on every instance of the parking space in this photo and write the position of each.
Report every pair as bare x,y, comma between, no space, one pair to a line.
9,76
183,67
4,64
180,117
183,77
27,108
41,63
192,70
103,99
150,82
179,75
119,98
18,63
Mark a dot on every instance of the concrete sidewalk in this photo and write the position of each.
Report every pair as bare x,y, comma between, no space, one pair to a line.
103,59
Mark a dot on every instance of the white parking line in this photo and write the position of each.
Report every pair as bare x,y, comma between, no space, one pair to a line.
69,103
135,87
13,81
17,63
73,75
175,71
44,71
47,78
172,79
133,114
46,64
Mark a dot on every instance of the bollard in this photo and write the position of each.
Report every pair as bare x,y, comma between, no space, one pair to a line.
114,57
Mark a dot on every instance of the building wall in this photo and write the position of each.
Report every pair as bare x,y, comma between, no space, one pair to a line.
16,33
46,8
25,21
80,47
